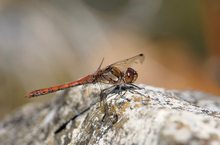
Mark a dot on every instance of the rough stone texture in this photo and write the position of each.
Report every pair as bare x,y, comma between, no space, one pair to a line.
150,116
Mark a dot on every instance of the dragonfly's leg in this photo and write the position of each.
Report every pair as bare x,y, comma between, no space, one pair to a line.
120,90
134,91
135,86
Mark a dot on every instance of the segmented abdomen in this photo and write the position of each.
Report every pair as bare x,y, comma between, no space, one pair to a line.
85,80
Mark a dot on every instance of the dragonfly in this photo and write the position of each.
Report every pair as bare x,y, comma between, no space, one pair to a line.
116,74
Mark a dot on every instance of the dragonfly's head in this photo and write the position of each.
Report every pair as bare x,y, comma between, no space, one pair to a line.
130,76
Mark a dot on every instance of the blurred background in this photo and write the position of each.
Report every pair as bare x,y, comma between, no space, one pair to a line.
49,42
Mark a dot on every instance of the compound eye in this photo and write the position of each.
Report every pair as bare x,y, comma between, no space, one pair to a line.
130,76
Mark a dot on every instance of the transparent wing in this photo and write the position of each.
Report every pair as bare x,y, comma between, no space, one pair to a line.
124,64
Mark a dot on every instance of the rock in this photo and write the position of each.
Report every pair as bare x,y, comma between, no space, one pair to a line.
147,116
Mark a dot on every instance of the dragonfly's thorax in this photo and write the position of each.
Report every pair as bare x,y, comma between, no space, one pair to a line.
114,75
111,75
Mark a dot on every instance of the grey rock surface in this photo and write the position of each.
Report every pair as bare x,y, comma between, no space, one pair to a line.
149,116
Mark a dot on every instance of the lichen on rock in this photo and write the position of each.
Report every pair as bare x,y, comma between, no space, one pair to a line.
151,116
